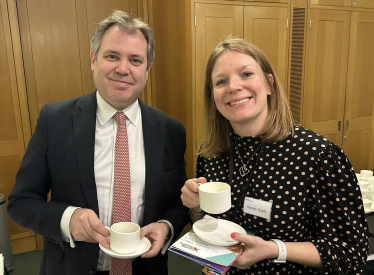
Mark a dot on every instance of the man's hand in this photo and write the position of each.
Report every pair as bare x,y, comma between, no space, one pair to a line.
85,226
156,233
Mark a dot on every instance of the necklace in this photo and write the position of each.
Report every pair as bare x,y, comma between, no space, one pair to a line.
243,170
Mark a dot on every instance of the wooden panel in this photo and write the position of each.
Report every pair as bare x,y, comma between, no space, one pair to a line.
356,148
360,91
23,245
7,118
327,55
213,24
362,3
51,52
339,3
11,133
269,1
172,66
271,21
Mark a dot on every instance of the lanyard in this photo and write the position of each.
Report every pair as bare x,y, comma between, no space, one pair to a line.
232,215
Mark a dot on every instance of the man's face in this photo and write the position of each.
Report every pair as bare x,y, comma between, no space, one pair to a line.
120,70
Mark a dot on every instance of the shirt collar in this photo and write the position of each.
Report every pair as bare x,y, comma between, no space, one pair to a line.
105,111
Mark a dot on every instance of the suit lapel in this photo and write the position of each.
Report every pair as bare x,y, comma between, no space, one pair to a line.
84,124
153,136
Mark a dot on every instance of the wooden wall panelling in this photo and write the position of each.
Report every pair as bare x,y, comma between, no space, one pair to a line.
337,3
269,1
12,144
272,21
326,68
171,71
359,107
214,22
362,3
49,35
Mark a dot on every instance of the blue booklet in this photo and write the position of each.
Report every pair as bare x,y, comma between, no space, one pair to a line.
217,259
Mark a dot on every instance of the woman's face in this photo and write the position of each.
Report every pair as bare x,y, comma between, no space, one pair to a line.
240,92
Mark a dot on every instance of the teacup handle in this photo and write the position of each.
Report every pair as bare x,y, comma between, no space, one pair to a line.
108,238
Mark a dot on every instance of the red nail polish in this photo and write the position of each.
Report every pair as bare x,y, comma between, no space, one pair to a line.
233,235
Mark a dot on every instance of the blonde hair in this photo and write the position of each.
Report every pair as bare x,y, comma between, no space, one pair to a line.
279,122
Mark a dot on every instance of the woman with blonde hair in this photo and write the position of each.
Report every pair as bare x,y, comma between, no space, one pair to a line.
294,188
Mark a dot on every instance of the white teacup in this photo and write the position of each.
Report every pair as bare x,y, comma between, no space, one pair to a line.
215,197
124,237
371,181
364,185
367,204
365,174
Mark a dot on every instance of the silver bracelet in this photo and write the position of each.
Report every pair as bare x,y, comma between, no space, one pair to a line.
282,252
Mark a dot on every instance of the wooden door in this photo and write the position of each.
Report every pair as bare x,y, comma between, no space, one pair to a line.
358,120
266,27
12,143
326,72
213,24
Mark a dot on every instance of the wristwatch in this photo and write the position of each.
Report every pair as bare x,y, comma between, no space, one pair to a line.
282,252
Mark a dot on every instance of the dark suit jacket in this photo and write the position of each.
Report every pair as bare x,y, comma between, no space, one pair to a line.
60,158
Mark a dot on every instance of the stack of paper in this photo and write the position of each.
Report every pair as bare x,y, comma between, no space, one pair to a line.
216,259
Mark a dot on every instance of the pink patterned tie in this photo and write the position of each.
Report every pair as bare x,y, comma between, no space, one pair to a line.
122,190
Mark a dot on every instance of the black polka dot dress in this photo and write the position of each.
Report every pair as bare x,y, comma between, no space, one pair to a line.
315,198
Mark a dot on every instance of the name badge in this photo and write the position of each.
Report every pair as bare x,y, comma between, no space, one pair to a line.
258,208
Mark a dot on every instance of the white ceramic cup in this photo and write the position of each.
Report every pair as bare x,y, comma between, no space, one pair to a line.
367,204
371,181
365,174
215,197
358,176
364,184
124,237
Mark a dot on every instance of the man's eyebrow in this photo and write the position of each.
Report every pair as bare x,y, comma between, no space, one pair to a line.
110,52
137,56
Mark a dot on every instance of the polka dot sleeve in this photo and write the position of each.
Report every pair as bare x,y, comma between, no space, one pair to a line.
335,204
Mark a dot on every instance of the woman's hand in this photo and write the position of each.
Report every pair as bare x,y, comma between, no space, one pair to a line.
190,193
255,250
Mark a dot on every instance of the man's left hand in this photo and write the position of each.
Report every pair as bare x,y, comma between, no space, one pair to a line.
156,233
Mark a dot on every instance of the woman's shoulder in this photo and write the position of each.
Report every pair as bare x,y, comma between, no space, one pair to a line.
308,140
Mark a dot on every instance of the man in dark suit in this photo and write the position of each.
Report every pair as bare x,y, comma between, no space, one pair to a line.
71,155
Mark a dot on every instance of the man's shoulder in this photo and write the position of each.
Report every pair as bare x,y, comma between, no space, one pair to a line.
73,103
160,115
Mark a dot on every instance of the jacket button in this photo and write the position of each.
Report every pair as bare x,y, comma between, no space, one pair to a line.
90,271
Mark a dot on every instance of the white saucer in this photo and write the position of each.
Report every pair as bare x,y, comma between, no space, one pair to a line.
144,246
219,233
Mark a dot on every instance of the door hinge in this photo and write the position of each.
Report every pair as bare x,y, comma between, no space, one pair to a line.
287,23
195,21
310,24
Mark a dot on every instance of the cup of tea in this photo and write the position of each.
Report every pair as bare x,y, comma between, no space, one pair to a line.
215,197
124,237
